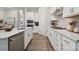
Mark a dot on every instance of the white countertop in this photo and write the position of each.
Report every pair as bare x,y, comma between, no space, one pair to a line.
4,34
73,36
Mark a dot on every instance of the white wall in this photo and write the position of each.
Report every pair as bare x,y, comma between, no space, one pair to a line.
43,18
2,13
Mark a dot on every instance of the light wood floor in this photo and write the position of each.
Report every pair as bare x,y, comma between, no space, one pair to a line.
39,43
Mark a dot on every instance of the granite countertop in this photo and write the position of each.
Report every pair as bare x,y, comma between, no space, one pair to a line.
4,34
71,35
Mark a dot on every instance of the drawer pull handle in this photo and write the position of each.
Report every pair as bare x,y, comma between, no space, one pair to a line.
66,41
56,39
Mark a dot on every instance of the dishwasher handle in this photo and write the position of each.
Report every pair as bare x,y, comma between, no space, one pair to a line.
14,38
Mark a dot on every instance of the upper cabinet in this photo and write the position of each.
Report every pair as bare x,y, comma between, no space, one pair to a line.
66,11
69,12
52,10
56,13
75,9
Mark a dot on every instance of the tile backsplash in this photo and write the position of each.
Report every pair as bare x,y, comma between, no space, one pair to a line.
77,20
62,22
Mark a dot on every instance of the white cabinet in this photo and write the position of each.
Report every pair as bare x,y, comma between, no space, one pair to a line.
52,10
68,44
66,11
69,12
28,37
60,42
36,19
52,39
57,41
29,15
48,33
4,44
36,29
75,9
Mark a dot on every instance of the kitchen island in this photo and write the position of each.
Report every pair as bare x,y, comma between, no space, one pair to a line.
6,37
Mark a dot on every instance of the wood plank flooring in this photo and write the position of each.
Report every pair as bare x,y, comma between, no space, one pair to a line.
39,43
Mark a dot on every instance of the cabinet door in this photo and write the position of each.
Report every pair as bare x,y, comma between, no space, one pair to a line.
4,45
52,10
67,44
30,34
26,39
75,9
57,41
52,39
66,11
49,35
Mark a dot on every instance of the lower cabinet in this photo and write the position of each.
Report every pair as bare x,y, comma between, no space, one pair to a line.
28,37
52,39
61,42
57,41
68,44
4,44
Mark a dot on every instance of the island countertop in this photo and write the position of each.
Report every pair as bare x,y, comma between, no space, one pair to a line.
4,34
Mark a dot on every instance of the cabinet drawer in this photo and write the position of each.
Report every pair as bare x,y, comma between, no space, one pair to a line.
57,46
67,48
68,41
57,37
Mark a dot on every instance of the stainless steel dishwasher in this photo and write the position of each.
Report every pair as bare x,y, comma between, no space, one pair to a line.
16,42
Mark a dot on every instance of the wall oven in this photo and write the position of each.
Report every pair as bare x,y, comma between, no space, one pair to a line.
29,23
